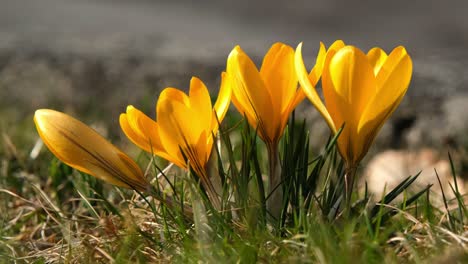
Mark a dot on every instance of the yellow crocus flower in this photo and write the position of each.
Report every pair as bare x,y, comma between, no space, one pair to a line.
82,148
185,126
144,132
266,97
361,91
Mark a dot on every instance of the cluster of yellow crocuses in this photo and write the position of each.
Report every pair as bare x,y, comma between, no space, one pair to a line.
360,92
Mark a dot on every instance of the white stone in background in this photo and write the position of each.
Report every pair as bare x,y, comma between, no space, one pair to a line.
455,108
387,169
36,149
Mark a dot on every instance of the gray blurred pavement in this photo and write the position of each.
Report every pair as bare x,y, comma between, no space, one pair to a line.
74,53
209,29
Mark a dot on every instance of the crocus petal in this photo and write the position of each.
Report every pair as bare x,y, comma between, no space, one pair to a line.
201,152
395,74
82,148
135,137
279,75
247,112
352,84
348,85
144,132
252,96
145,128
164,110
316,71
298,97
174,94
309,88
334,48
376,57
397,68
392,83
337,45
178,126
222,103
200,101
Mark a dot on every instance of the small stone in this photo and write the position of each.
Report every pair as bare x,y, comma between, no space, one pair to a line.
387,169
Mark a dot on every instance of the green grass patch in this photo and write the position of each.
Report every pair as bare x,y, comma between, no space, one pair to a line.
51,213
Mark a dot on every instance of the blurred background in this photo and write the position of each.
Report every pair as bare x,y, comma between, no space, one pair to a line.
91,58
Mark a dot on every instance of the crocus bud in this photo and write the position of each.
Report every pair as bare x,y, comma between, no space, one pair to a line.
82,148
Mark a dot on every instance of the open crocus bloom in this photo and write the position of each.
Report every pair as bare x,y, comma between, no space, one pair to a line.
360,90
144,132
82,148
185,125
266,97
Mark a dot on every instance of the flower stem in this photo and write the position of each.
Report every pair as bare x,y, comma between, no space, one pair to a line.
214,198
275,200
214,186
168,201
207,182
350,174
